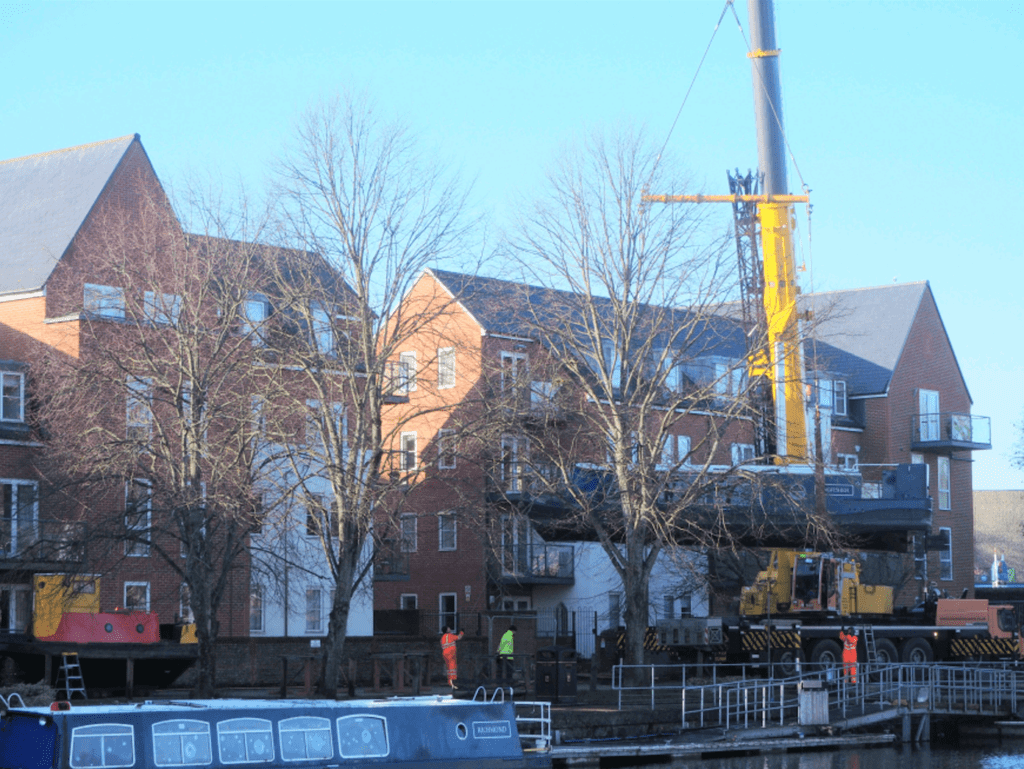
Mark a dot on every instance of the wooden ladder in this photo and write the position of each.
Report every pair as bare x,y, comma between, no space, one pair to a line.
869,643
71,672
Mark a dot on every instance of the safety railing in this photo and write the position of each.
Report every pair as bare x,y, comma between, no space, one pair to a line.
739,697
533,720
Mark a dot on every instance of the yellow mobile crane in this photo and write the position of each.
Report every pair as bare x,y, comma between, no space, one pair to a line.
781,359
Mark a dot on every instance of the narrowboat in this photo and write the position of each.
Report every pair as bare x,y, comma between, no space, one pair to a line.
420,732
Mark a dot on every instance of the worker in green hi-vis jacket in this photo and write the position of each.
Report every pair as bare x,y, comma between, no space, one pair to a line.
506,648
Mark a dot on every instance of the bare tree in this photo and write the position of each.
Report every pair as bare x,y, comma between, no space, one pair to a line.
149,426
655,371
356,192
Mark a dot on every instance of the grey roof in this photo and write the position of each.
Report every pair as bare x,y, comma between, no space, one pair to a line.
861,333
44,199
500,306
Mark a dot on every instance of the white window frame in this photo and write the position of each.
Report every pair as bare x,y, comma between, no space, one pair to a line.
742,452
442,613
257,608
447,527
675,451
161,309
138,411
945,500
840,404
103,301
317,509
136,549
314,610
446,456
16,524
445,368
409,532
930,418
850,462
408,458
406,372
12,378
946,556
515,450
254,316
612,362
322,331
128,585
407,598
185,603
729,379
515,372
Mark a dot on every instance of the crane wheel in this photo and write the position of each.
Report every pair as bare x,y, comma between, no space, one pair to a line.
885,652
917,651
827,653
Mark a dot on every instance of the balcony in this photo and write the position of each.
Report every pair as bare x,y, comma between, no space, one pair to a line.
537,564
390,565
30,542
947,432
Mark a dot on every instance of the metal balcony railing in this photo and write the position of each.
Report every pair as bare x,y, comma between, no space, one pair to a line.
538,562
950,431
28,538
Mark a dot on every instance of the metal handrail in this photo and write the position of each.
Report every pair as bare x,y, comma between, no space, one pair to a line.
524,717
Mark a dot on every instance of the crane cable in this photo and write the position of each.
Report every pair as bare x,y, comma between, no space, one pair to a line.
694,80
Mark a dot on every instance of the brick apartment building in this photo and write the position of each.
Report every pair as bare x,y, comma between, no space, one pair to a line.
879,360
61,214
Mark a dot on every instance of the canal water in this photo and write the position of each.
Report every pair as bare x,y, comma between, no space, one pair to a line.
1008,755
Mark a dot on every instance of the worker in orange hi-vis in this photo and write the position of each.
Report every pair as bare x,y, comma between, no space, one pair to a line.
849,638
448,641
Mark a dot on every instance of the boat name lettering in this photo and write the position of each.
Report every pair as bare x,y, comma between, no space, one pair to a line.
490,730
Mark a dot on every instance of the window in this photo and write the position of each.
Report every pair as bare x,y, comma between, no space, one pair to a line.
182,742
163,309
256,608
445,367
137,509
675,451
316,515
12,401
406,372
742,452
871,490
446,449
408,524
946,554
185,604
19,527
139,410
669,607
729,380
945,501
323,330
612,362
136,596
407,453
305,738
446,539
515,374
362,736
245,740
928,402
847,462
918,459
839,407
314,610
614,609
104,301
254,315
514,453
102,745
408,602
446,612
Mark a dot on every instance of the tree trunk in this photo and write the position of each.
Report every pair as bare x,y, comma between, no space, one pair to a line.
334,646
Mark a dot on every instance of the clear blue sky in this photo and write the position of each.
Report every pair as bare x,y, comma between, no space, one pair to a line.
905,118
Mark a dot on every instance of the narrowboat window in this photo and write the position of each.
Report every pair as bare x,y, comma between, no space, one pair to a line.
105,745
362,736
182,742
304,738
245,740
